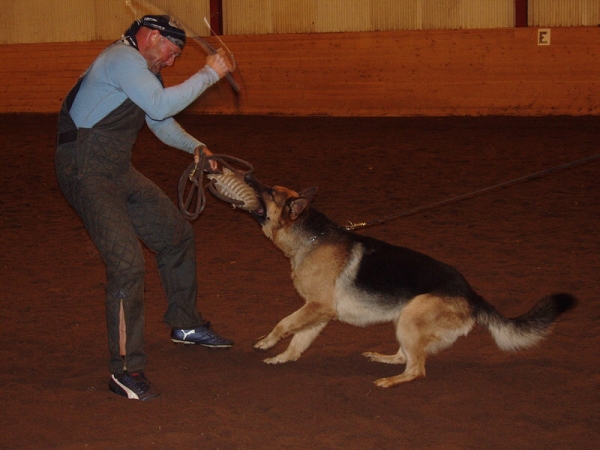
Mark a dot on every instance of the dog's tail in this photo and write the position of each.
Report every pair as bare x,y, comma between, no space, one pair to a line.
526,330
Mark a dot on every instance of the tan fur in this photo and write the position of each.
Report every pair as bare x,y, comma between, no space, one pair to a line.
322,275
325,273
427,325
316,286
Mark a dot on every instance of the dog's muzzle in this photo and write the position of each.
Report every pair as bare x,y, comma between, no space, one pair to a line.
260,213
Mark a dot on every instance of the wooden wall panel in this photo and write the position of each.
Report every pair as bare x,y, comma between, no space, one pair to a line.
35,21
190,13
39,75
292,17
28,21
489,14
563,13
343,15
332,16
401,73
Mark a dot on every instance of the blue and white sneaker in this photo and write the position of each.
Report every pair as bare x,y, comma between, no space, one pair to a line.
202,335
134,386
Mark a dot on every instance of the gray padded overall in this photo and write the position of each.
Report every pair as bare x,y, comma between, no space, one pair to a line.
119,207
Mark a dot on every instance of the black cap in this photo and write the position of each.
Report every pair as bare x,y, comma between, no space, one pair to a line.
166,26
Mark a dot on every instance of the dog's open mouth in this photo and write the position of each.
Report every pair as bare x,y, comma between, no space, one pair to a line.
259,213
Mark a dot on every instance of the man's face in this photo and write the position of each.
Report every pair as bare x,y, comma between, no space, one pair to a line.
161,53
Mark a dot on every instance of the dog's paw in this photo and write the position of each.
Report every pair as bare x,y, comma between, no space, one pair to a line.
275,360
259,347
399,379
371,355
263,344
385,382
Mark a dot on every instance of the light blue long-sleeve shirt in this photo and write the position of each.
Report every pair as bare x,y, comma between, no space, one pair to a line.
121,72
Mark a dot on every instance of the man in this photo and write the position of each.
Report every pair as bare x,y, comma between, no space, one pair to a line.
98,125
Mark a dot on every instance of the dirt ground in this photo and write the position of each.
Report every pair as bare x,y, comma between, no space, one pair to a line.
515,244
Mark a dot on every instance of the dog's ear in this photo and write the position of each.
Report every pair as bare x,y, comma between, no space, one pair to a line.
298,205
309,193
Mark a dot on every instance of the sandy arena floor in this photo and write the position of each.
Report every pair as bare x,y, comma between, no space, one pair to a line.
514,244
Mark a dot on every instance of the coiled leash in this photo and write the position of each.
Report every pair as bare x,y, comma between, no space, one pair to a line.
191,184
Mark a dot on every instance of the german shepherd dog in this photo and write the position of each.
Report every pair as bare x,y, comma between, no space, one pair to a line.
362,281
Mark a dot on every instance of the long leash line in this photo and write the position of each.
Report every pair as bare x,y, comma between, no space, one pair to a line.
353,226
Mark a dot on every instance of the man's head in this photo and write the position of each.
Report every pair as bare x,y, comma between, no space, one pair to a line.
159,39
165,25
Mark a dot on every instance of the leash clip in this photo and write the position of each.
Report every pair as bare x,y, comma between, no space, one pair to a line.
192,174
353,226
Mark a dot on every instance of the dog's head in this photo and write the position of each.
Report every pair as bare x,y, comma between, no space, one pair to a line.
280,206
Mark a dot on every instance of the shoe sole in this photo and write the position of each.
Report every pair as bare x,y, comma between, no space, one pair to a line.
178,341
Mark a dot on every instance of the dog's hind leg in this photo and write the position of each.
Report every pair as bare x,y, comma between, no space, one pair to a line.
427,325
415,368
300,342
397,358
413,349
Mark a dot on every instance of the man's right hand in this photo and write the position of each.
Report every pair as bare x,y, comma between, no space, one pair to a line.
219,63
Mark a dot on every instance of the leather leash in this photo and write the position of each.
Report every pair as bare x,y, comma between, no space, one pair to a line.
350,226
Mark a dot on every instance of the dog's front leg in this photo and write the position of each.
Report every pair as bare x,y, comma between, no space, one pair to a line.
300,342
306,324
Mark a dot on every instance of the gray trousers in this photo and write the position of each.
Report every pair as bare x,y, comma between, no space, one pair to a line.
119,210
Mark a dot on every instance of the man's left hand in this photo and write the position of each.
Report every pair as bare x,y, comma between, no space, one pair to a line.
202,149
